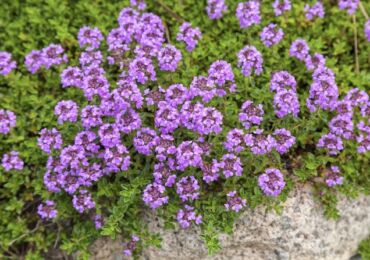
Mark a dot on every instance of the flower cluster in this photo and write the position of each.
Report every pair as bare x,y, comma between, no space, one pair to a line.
130,246
281,6
284,140
281,80
271,182
234,202
154,195
66,111
349,5
216,8
189,35
332,177
188,188
12,161
47,210
90,38
315,61
251,114
271,35
249,59
187,215
317,10
6,63
8,120
50,140
299,49
168,58
47,57
259,143
248,13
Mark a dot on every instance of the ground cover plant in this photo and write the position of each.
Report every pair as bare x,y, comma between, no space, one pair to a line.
196,110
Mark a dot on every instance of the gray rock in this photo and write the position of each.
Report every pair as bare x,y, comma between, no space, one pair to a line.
301,232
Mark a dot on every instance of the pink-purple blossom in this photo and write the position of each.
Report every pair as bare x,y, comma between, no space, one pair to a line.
271,182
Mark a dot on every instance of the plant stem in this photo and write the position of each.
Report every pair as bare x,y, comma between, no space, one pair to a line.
357,68
362,8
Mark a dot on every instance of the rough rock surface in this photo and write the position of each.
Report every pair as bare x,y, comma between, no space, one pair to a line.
301,232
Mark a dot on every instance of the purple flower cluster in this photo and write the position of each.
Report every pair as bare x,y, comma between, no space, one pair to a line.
216,8
281,6
130,246
188,188
47,210
187,215
271,35
83,201
317,10
47,57
8,120
349,5
50,140
234,202
98,221
230,165
90,38
66,111
249,59
235,141
284,140
12,161
145,141
271,182
6,63
342,126
168,58
313,62
332,176
248,13
286,102
154,195
164,174
330,141
259,143
299,49
189,35
251,114
282,80
139,4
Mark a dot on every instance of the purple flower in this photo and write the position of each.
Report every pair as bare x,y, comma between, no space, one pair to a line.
153,97
365,110
259,143
216,8
271,35
130,246
150,22
357,97
53,55
109,135
190,114
230,165
70,181
128,120
299,49
49,140
154,196
234,202
73,156
139,4
91,58
8,120
90,37
186,215
34,61
71,77
342,125
331,142
251,114
248,13
127,17
210,171
281,6
51,181
282,80
12,161
116,159
190,36
6,63
188,188
209,121
145,141
98,221
332,177
204,88
83,201
165,147
220,72
344,107
86,139
250,58
271,182
66,111
176,94
166,118
284,140
47,210
363,143
168,58
90,174
315,61
235,141
188,154
317,10
367,30
91,116
286,102
95,85
349,5
142,70
164,174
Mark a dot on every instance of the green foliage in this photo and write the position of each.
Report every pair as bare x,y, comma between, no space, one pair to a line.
364,249
33,24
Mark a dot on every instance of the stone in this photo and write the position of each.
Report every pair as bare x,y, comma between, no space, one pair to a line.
301,232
